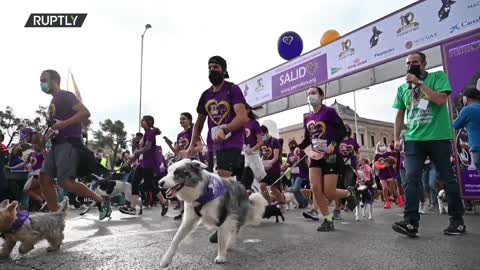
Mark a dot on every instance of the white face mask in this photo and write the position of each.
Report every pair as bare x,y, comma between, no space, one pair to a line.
382,148
314,100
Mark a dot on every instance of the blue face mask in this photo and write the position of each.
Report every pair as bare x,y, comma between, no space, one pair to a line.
44,87
314,100
265,137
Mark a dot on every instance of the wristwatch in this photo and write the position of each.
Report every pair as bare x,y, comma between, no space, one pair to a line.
226,130
420,83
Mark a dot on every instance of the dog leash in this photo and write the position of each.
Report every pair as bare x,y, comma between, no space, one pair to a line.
287,170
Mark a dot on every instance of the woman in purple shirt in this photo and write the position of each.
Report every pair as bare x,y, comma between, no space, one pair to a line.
148,164
298,172
272,163
324,131
184,138
385,163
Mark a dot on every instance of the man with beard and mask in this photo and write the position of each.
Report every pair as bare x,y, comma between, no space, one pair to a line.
423,98
224,106
62,162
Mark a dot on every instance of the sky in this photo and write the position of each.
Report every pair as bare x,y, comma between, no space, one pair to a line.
104,54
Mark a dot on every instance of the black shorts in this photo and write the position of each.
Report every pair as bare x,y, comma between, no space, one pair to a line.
334,165
229,159
271,178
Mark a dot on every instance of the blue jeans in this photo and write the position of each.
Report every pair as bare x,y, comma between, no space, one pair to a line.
429,178
416,153
476,160
297,183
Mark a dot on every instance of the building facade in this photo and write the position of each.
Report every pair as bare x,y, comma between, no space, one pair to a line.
370,131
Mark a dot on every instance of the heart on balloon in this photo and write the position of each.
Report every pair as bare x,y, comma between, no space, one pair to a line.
311,68
316,129
217,111
287,39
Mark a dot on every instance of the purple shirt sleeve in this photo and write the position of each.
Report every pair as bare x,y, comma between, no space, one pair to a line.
201,104
237,95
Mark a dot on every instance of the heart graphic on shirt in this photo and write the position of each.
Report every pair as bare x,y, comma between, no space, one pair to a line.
247,132
311,68
183,143
33,161
316,129
293,159
217,111
267,152
346,149
287,40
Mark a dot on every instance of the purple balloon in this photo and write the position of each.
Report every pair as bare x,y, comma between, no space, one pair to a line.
290,45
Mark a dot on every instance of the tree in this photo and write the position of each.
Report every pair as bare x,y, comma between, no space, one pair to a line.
111,135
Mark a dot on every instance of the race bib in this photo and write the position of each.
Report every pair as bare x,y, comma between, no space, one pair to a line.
267,163
422,104
319,145
214,130
295,170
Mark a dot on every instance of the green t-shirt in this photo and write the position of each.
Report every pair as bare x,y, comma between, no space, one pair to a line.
430,124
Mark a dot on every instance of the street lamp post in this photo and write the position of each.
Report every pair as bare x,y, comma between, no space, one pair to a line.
147,26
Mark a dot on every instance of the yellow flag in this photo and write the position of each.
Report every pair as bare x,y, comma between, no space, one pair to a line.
75,88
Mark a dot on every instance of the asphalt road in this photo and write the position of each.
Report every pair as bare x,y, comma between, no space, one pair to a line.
126,242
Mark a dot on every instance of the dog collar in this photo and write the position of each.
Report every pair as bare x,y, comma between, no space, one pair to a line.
22,217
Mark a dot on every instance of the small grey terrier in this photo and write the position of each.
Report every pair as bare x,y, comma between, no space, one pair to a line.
30,229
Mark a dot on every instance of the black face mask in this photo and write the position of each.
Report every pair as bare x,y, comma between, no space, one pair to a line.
215,77
415,70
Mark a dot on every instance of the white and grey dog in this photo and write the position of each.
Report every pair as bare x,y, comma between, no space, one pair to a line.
219,203
109,189
30,229
442,202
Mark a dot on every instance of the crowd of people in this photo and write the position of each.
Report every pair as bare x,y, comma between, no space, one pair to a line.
324,168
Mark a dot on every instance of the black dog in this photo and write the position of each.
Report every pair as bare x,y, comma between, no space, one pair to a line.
273,211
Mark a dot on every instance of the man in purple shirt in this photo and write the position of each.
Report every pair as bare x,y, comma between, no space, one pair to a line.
224,106
62,162
272,163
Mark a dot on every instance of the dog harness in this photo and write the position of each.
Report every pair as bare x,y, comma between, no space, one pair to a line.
213,190
22,217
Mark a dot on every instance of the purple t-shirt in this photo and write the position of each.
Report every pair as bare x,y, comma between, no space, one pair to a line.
218,107
36,160
323,124
183,139
149,159
347,149
267,154
302,168
252,129
61,108
14,161
389,172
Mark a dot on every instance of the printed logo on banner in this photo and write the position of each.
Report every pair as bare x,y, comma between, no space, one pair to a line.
347,49
427,37
335,70
464,24
407,24
408,45
474,5
357,63
465,49
385,53
375,37
260,86
444,11
245,90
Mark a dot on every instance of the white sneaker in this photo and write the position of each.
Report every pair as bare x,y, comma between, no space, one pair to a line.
421,209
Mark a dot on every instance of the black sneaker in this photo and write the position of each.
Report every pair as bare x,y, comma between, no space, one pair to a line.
352,199
312,214
326,226
405,228
179,216
164,209
454,229
128,210
214,238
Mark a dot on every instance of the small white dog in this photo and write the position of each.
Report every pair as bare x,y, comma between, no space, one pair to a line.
365,193
442,202
219,203
290,200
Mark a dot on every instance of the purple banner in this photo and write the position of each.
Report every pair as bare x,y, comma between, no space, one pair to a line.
300,77
462,62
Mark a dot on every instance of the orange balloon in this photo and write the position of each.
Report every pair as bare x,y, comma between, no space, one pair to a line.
329,36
